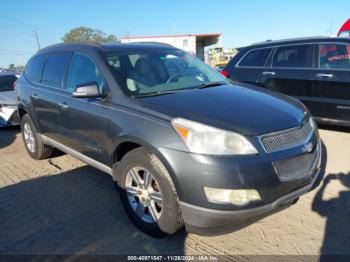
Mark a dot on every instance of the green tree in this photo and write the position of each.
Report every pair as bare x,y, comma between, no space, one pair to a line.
86,34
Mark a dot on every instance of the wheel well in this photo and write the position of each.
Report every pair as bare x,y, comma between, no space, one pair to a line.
123,149
21,113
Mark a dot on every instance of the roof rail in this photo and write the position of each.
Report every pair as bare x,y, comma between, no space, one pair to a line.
289,39
148,42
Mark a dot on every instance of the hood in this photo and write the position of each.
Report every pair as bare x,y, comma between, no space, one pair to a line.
245,109
8,98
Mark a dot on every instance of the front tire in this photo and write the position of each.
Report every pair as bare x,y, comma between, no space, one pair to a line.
32,141
148,194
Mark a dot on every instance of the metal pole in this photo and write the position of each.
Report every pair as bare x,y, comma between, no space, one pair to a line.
37,38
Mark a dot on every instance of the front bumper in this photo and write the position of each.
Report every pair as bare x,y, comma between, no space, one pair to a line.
199,220
8,115
193,172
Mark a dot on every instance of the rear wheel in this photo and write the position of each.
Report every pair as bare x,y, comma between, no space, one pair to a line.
32,141
148,194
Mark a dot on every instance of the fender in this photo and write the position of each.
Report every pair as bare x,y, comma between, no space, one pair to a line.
151,149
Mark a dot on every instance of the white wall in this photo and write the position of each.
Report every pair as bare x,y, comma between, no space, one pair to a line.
176,41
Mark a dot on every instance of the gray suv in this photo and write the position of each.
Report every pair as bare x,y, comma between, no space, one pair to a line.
185,145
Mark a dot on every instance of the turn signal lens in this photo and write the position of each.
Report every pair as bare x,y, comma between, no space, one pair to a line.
182,131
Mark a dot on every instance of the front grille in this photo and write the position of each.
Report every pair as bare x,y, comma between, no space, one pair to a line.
286,138
296,167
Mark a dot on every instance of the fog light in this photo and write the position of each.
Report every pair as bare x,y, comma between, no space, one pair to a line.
238,197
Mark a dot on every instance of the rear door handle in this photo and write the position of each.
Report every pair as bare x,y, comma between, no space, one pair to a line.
268,73
324,75
63,105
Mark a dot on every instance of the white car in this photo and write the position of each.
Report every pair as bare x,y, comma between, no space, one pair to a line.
8,100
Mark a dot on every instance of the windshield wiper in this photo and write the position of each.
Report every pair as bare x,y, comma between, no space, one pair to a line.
211,84
167,92
158,93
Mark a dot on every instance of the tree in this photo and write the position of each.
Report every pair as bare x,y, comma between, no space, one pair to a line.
83,34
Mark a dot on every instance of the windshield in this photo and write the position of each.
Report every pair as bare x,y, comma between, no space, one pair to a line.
153,72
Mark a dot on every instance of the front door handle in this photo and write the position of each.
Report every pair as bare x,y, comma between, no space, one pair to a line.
63,105
324,75
269,73
35,96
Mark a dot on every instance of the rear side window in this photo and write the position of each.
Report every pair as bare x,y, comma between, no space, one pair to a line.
6,83
82,71
335,56
256,57
292,56
54,69
34,68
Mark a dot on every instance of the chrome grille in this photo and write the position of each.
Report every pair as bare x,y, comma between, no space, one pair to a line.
296,167
286,138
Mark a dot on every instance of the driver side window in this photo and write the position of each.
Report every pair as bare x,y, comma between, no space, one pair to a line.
83,70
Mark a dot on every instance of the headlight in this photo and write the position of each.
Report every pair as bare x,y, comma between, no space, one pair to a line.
203,139
238,197
314,126
313,123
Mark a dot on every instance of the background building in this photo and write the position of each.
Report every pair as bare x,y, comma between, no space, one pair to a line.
192,43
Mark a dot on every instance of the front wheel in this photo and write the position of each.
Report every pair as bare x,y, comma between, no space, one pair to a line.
32,141
148,194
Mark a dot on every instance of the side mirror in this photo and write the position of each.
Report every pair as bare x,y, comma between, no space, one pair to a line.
87,90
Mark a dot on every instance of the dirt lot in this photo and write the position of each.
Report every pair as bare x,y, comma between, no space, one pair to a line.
62,206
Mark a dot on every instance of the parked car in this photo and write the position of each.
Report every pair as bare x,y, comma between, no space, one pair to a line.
314,70
8,100
184,148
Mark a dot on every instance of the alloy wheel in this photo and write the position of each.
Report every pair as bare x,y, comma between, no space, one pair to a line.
29,137
144,194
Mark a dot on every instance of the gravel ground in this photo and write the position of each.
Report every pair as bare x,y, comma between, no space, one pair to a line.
62,206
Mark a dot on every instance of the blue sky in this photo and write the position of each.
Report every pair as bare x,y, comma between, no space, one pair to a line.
241,22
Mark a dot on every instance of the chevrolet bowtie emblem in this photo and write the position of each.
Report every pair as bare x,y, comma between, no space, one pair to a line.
307,148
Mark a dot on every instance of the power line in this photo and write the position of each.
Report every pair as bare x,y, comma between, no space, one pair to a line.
19,22
15,30
9,23
16,22
15,51
16,35
17,54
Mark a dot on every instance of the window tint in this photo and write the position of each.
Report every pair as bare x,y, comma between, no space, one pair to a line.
54,69
83,70
256,57
6,82
292,56
335,56
34,68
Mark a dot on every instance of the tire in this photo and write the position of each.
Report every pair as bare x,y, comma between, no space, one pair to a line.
36,148
167,212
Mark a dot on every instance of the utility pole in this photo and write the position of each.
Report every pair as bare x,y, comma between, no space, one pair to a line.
37,38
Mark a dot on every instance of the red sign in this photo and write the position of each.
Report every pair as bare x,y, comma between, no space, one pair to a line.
345,29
